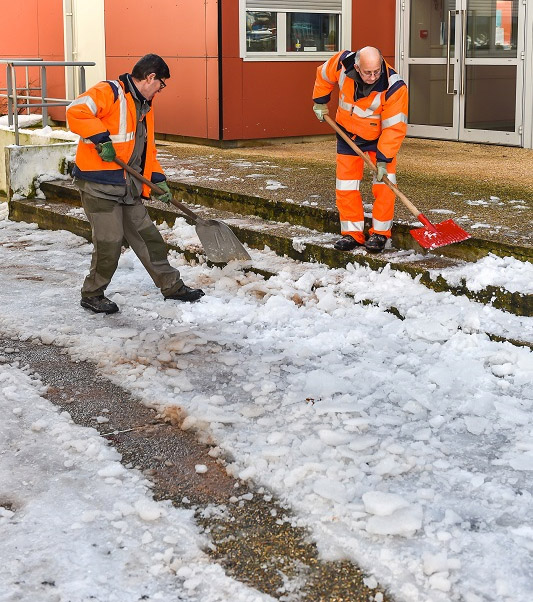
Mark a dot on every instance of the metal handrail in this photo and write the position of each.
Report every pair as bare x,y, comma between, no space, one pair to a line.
27,87
13,104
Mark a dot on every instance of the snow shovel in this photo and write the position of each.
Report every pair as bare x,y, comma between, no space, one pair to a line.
219,242
431,235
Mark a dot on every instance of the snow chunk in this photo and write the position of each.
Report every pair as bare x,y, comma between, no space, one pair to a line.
476,424
38,426
333,438
331,490
114,470
274,185
522,462
440,581
382,503
405,522
148,509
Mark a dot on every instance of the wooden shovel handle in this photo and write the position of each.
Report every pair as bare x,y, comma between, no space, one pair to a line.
156,189
367,160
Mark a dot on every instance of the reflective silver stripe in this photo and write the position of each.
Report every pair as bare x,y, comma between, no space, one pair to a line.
398,118
347,184
390,176
375,103
393,79
323,73
364,112
84,100
382,226
345,105
342,77
354,108
352,226
122,135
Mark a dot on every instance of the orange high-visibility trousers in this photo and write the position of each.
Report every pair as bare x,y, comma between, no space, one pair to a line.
350,202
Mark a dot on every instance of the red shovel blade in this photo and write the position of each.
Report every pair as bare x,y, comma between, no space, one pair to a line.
433,236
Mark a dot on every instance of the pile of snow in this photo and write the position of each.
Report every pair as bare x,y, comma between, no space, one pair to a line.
78,525
403,444
24,121
505,272
28,121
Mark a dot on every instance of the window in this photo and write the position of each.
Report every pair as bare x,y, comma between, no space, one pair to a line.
312,32
294,29
261,31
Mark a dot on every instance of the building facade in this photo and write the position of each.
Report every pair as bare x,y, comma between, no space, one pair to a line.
243,70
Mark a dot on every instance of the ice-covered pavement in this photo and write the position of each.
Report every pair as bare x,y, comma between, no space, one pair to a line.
403,444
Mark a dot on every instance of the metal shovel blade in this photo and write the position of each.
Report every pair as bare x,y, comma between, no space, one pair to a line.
439,235
219,242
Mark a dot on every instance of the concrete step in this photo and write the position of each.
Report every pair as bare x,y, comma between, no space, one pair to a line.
315,218
62,210
327,220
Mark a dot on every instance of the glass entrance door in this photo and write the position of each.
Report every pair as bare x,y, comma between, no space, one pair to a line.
463,60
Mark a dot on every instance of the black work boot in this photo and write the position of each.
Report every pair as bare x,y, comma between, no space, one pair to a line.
188,294
100,304
347,243
376,243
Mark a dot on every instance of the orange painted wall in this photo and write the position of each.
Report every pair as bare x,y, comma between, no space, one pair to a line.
30,29
372,26
273,99
259,99
184,33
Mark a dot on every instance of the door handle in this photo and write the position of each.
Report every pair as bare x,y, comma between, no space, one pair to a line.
463,52
449,52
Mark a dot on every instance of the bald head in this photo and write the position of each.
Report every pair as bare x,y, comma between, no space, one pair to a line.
368,62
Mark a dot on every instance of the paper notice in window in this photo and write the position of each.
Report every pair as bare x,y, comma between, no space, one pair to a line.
309,48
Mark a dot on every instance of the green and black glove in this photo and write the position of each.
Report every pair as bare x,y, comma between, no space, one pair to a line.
166,197
381,166
107,152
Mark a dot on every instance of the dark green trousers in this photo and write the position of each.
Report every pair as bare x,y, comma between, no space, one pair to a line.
111,222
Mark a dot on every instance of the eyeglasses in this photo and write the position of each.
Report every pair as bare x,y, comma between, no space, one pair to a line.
161,84
370,73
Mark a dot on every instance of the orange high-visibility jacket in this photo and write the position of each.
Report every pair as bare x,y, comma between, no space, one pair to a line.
107,112
381,116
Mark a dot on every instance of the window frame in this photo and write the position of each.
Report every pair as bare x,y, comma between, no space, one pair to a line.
345,31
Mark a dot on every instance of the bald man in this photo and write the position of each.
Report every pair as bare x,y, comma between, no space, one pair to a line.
372,110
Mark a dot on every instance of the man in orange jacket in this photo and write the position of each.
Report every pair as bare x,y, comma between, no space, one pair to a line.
372,111
115,119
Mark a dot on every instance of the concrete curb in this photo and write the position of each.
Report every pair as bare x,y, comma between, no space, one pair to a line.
55,216
325,220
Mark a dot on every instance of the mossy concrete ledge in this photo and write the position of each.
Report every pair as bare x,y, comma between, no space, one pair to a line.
327,220
314,218
55,216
